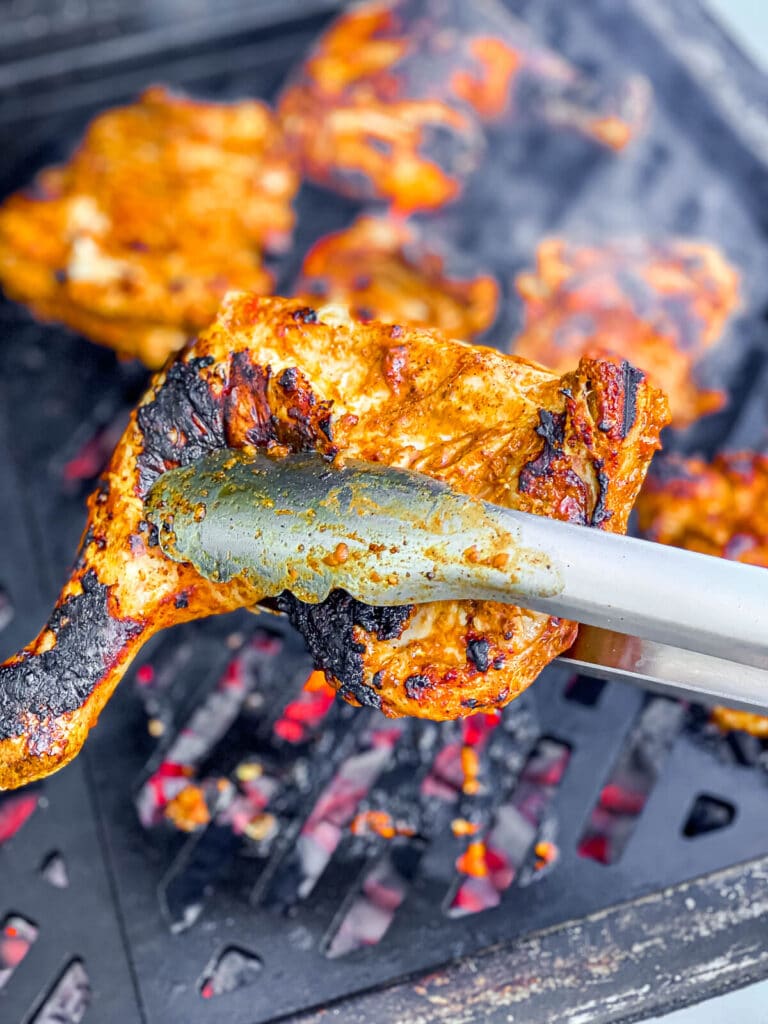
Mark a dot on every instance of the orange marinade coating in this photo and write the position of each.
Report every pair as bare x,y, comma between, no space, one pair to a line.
166,205
276,375
380,271
389,103
659,305
718,508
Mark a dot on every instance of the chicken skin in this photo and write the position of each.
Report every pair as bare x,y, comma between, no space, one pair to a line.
276,375
166,205
379,270
660,305
718,508
390,102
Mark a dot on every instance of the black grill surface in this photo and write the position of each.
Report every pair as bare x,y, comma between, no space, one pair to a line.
150,924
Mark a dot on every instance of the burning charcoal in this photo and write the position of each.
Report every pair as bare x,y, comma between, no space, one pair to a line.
336,806
234,969
69,999
370,914
17,935
708,814
383,270
660,306
303,716
169,793
492,863
624,795
93,453
15,809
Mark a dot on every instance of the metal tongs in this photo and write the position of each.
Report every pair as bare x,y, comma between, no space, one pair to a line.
675,621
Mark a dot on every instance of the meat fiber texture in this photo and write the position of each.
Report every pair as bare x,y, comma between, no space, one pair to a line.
277,375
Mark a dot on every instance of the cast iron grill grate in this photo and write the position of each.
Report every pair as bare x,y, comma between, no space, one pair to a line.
271,907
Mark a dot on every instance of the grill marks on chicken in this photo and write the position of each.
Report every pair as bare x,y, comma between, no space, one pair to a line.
381,270
659,305
718,508
166,205
276,374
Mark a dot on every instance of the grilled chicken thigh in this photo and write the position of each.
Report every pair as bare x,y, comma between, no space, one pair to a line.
278,375
380,270
166,205
660,305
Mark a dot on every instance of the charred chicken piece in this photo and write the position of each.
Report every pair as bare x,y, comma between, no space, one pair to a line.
660,305
389,102
380,270
166,205
274,374
718,508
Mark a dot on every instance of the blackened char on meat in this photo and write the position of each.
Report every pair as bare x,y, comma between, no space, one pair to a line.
88,640
182,423
328,631
552,429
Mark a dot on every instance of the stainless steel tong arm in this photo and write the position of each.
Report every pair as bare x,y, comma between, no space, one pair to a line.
390,536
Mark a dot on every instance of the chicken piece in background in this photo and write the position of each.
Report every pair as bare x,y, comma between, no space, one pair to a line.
167,204
389,103
276,375
381,270
718,508
661,305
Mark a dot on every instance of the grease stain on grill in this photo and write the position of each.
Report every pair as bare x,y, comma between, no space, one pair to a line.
234,968
68,1000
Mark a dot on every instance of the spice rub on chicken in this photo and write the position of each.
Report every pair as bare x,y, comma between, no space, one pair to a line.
275,374
166,205
381,270
661,305
718,508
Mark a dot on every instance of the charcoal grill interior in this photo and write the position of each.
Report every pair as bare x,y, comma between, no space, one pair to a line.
275,907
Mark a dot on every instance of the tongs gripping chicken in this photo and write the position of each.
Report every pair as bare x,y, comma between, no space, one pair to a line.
275,375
